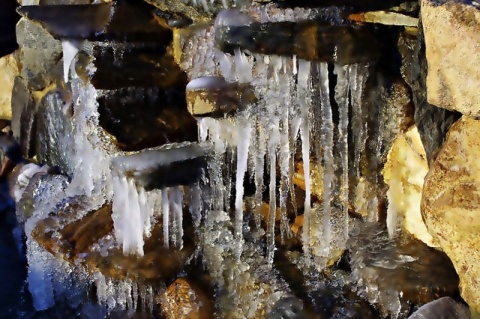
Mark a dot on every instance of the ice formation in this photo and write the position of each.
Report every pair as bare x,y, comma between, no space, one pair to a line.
70,49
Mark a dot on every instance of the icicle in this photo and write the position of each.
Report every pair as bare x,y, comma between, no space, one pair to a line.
357,78
304,104
205,5
166,217
328,160
273,142
70,49
259,173
341,97
243,67
285,148
244,131
196,206
177,210
133,233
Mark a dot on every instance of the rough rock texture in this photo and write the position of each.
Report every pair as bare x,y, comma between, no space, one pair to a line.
404,173
452,82
451,204
432,122
40,53
9,68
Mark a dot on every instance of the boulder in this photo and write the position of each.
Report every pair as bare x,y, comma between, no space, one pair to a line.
452,82
451,204
9,69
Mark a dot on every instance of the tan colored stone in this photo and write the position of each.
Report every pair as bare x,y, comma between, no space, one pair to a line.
404,173
452,41
451,204
9,69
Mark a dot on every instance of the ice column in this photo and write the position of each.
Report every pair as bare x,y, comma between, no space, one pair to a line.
303,88
244,131
328,160
341,97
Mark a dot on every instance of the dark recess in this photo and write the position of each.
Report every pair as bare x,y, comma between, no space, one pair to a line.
8,20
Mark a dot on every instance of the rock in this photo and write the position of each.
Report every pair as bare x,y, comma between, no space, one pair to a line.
212,96
443,308
39,53
9,69
432,122
54,131
451,205
309,40
167,166
386,18
23,117
147,117
88,242
183,299
123,22
452,82
404,173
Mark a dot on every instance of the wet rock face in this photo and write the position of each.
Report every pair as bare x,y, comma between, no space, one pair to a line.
54,131
450,204
394,273
432,122
451,84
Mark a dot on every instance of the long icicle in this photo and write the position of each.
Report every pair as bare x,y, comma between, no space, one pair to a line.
166,217
328,160
304,104
244,131
341,97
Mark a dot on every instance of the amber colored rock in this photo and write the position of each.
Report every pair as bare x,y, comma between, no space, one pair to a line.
316,175
213,96
183,299
451,204
452,40
404,173
9,69
89,242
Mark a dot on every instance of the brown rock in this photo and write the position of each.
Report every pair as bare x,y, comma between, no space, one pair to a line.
451,204
185,300
452,80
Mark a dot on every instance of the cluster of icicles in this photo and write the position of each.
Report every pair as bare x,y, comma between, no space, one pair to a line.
293,111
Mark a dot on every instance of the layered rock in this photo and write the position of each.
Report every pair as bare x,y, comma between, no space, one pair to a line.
450,204
452,82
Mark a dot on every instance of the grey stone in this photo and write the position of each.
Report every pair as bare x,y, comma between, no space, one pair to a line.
54,134
40,53
443,308
23,116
